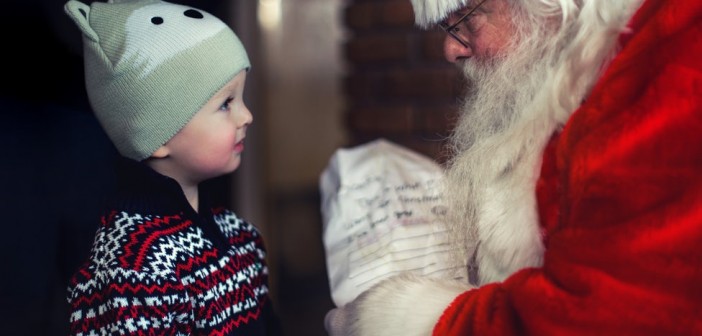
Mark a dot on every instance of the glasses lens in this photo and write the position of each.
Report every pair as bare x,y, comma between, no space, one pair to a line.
443,25
452,31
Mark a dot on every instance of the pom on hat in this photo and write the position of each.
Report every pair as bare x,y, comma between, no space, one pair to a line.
151,65
429,12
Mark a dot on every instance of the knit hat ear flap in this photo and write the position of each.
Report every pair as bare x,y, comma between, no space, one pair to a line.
429,12
80,13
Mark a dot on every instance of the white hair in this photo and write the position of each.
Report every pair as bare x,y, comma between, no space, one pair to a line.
515,104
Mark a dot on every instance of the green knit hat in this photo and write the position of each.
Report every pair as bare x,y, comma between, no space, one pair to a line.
151,65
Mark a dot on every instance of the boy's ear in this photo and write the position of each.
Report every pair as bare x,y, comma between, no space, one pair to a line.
161,153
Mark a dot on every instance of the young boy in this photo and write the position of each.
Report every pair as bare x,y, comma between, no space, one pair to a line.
166,83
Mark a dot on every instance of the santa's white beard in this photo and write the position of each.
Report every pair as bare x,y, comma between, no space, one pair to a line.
498,143
516,102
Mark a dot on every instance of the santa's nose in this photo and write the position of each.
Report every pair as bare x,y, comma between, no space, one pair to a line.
455,51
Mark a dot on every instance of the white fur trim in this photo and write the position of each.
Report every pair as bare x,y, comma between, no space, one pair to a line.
404,305
428,12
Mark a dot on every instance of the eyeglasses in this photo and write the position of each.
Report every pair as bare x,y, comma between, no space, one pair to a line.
453,30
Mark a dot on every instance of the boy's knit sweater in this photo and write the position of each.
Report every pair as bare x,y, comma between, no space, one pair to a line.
158,267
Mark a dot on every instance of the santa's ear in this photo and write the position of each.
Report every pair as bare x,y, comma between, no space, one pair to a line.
161,152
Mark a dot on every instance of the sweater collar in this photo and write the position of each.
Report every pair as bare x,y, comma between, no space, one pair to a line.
138,180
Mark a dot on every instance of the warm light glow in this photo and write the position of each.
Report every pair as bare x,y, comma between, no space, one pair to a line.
269,12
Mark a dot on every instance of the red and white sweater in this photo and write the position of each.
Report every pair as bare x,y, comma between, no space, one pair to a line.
158,267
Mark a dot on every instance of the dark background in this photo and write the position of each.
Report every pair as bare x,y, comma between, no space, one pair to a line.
55,166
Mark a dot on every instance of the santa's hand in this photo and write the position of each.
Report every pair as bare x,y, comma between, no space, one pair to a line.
338,320
402,305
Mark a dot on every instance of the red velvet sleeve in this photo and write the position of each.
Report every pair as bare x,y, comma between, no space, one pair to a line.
625,256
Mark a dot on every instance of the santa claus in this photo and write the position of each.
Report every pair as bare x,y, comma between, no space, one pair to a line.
576,180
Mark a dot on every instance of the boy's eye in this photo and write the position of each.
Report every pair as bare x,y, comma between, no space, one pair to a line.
225,106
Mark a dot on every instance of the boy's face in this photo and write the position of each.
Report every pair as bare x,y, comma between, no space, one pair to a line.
211,144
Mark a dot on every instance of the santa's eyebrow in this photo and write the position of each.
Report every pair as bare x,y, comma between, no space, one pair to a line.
471,6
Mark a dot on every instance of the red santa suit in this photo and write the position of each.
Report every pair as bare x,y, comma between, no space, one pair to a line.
619,202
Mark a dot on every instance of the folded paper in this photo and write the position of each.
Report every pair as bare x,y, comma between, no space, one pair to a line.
383,211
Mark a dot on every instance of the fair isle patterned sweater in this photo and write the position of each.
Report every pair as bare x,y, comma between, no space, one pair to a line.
159,268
